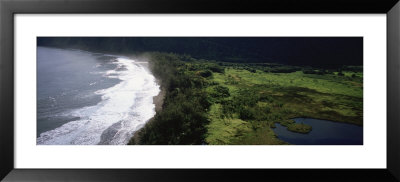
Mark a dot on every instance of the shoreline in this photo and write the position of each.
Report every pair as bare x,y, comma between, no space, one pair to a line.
158,101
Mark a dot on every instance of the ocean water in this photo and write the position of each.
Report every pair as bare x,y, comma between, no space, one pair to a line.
88,98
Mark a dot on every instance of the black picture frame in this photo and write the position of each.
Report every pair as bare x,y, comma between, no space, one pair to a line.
8,8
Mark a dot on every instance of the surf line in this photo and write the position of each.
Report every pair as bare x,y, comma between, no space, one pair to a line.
124,109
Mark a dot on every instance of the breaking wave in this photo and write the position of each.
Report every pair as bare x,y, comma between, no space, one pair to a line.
124,109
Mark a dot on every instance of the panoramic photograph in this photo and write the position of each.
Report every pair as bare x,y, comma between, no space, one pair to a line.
199,91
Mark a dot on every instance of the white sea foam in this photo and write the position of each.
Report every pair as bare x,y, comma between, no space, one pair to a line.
124,109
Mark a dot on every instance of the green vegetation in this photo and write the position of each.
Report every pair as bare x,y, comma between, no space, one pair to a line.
183,116
263,98
218,103
296,127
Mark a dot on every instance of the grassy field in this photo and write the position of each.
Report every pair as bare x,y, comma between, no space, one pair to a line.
258,99
219,103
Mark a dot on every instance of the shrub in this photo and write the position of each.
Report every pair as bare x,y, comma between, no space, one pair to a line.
222,91
205,73
245,113
217,69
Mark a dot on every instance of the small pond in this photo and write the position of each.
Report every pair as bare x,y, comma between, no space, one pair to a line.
323,132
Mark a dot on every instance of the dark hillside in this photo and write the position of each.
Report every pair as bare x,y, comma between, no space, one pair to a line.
313,51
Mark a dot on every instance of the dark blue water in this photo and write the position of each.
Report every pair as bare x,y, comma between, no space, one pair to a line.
323,133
